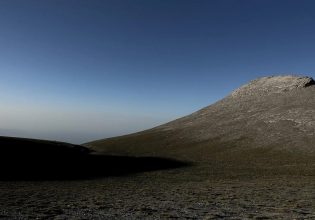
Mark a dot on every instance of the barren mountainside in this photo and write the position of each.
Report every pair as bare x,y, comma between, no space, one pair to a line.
268,116
248,156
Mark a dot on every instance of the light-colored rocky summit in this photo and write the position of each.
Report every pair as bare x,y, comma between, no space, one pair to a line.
273,84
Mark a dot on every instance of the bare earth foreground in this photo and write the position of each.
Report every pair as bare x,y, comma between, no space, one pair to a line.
162,195
251,155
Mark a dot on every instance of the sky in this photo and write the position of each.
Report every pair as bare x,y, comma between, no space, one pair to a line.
79,70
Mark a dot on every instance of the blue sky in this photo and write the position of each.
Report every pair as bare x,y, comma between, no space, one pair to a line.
75,70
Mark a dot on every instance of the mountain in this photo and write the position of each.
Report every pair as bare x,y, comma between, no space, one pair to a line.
269,121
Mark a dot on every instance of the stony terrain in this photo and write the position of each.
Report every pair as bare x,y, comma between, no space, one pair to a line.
251,155
166,195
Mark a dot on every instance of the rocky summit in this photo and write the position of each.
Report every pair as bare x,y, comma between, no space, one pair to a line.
273,84
268,117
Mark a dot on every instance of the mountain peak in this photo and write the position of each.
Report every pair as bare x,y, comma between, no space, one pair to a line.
273,84
273,115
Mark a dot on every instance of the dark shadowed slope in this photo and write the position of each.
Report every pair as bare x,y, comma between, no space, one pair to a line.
269,121
30,159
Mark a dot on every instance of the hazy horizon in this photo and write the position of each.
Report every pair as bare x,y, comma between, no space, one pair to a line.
77,71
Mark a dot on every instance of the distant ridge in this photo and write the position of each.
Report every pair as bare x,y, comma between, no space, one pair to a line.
268,119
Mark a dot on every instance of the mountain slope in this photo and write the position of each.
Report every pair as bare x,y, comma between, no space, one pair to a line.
271,119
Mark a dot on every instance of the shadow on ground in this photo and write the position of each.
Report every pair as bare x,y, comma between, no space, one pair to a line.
27,159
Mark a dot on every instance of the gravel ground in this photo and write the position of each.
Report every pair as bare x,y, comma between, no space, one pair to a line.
180,193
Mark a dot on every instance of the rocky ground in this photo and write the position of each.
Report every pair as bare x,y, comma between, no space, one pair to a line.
184,193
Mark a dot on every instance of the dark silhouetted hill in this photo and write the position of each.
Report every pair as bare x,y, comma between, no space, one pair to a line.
30,159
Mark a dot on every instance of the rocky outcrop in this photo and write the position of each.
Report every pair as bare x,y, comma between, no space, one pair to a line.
272,84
